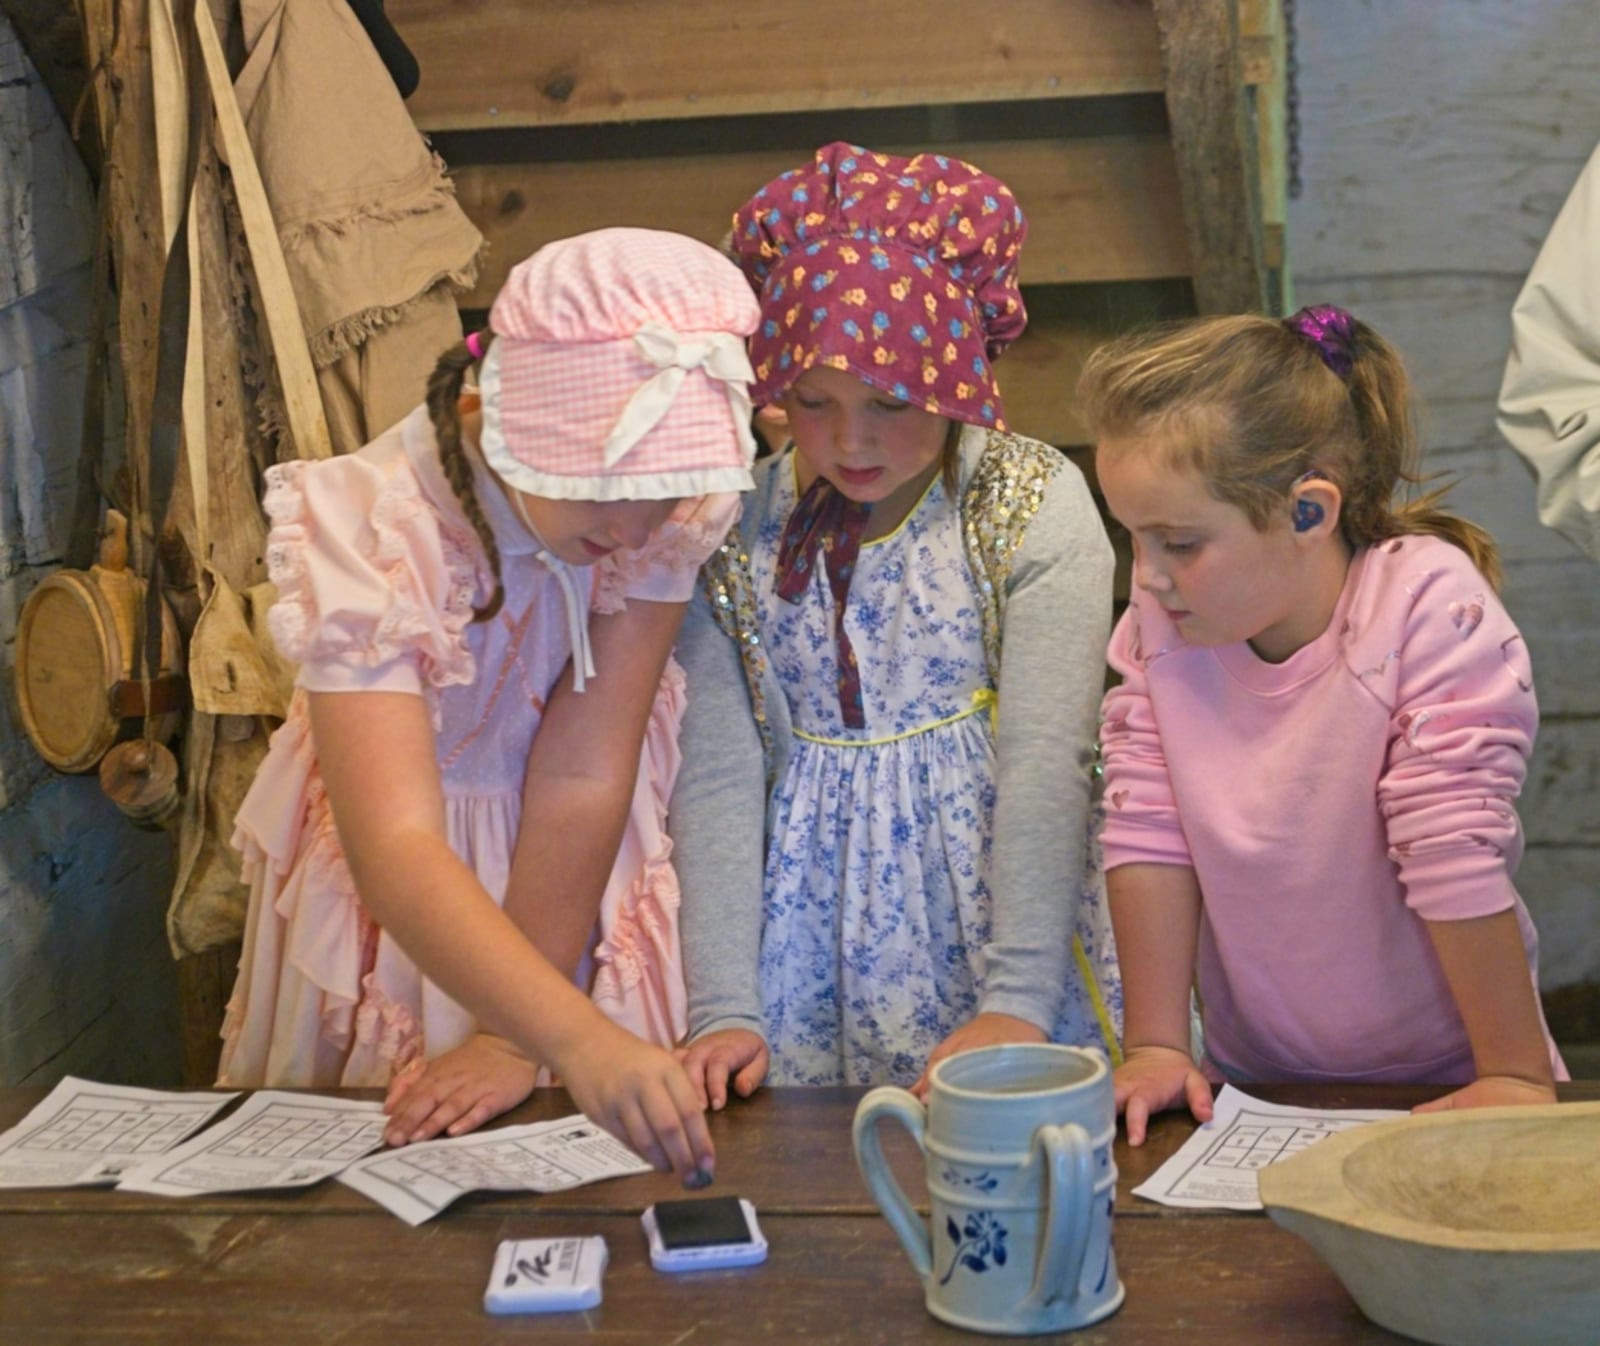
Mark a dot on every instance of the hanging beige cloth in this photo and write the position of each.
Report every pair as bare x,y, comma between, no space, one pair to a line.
376,245
376,248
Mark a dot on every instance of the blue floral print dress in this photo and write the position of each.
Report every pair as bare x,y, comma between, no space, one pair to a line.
877,904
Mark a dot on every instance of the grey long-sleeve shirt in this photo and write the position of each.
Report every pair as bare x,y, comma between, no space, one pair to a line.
1057,619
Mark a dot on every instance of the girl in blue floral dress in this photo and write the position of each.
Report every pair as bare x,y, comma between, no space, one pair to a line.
882,824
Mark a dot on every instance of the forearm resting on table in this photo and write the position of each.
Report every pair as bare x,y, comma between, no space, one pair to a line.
1487,967
1155,915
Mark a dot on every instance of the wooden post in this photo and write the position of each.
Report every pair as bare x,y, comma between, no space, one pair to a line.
205,981
1214,141
1264,47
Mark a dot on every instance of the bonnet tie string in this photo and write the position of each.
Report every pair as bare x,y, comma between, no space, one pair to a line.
827,520
577,613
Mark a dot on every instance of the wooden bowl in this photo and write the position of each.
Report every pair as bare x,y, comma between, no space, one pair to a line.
1472,1228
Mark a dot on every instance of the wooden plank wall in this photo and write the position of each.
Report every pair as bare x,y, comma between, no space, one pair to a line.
86,982
1438,143
597,112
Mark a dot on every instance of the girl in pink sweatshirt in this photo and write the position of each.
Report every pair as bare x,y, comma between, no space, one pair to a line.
1324,720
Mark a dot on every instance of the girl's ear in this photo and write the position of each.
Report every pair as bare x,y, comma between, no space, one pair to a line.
1314,505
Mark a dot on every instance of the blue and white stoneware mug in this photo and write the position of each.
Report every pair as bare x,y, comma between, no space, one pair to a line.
1017,1141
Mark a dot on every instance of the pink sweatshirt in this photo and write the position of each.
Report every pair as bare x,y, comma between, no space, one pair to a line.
1330,805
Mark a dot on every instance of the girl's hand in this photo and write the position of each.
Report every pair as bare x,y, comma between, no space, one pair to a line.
1492,1091
986,1030
1153,1079
712,1059
641,1095
458,1091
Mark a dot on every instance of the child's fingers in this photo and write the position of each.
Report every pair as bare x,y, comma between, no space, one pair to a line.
679,1126
474,1117
1198,1091
400,1085
696,1134
444,1111
417,1105
1122,1089
1138,1118
753,1072
426,1108
716,1080
666,1126
697,1065
630,1122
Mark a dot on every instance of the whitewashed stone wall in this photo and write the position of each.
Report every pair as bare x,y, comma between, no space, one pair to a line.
1438,140
87,986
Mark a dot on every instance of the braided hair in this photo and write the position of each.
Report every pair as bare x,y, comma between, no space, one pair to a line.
443,398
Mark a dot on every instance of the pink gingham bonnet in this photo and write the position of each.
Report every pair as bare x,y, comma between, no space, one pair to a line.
901,271
619,370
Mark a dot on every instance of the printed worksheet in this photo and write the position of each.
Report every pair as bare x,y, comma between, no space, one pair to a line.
416,1182
1217,1166
275,1140
85,1133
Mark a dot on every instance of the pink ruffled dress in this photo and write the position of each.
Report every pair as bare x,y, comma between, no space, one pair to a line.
377,571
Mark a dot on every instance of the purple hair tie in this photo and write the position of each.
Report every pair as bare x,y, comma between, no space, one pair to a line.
1332,331
475,345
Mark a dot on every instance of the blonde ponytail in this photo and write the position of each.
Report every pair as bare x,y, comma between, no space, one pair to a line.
444,398
1253,404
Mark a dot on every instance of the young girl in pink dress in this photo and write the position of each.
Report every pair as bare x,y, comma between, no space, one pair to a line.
463,815
1324,719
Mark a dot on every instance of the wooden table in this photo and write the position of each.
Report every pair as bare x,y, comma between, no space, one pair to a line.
326,1266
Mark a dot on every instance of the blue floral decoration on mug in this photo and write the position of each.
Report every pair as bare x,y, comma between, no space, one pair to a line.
981,1182
980,1241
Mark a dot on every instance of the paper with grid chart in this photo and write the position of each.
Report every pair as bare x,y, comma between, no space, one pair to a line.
418,1181
1216,1167
274,1140
83,1134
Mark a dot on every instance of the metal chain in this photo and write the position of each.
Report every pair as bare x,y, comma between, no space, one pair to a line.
1291,99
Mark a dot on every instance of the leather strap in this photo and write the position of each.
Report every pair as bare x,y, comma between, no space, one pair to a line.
166,408
84,532
136,698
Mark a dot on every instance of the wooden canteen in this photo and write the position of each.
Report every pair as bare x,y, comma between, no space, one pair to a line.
77,688
141,779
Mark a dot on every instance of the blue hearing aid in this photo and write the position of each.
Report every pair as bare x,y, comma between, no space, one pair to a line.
1307,514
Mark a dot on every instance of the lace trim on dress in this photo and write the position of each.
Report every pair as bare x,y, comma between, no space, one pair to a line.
405,623
387,1027
289,618
637,962
644,928
324,881
446,659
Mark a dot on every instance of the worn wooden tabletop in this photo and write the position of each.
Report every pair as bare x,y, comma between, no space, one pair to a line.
327,1266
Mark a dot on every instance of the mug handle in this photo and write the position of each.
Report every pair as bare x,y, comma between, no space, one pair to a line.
900,1106
1067,1156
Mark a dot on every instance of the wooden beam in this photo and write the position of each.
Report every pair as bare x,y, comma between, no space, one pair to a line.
1212,136
1262,31
560,62
1103,208
205,981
